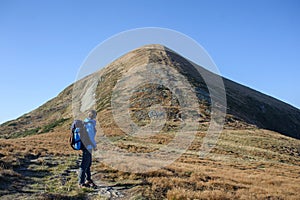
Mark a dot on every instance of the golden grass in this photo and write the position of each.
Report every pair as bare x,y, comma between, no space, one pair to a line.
55,143
245,164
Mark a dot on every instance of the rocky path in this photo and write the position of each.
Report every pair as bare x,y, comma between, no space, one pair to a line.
104,190
107,192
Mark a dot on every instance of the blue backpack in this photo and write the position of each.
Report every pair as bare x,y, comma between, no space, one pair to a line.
78,134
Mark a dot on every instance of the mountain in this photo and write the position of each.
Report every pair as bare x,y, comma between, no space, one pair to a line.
154,92
243,104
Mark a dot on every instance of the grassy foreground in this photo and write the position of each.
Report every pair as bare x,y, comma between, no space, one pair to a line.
246,164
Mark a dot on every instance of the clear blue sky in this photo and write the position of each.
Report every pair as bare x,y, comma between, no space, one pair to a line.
43,43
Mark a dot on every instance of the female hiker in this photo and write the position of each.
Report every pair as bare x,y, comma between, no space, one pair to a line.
89,145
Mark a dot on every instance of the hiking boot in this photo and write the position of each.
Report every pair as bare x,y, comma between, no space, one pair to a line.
91,183
84,185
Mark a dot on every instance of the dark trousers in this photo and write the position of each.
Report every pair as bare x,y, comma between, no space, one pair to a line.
85,167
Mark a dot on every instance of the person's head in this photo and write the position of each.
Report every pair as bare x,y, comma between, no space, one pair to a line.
92,114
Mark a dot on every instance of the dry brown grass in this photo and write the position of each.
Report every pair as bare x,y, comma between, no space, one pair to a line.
16,154
54,143
246,164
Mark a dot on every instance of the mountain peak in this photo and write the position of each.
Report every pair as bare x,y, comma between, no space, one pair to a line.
152,46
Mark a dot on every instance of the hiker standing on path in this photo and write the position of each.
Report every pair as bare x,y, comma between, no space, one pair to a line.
89,145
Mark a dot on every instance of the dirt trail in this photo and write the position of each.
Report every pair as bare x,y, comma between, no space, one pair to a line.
53,177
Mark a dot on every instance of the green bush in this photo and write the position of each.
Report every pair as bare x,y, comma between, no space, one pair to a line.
51,126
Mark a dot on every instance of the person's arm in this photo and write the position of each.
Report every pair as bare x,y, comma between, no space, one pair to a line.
92,137
90,127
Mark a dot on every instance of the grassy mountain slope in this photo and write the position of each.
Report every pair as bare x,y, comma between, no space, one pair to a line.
244,103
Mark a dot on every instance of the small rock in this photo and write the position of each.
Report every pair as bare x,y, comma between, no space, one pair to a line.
116,194
105,192
73,170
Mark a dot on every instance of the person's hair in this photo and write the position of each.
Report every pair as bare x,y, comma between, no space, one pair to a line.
92,114
78,123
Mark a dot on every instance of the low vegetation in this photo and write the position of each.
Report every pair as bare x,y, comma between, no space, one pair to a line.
257,164
39,130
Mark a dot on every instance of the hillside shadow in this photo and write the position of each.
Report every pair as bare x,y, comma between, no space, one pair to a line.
18,180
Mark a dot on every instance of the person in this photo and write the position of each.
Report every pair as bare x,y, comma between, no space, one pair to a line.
89,143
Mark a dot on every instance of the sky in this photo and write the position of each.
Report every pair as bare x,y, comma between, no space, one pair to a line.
44,43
